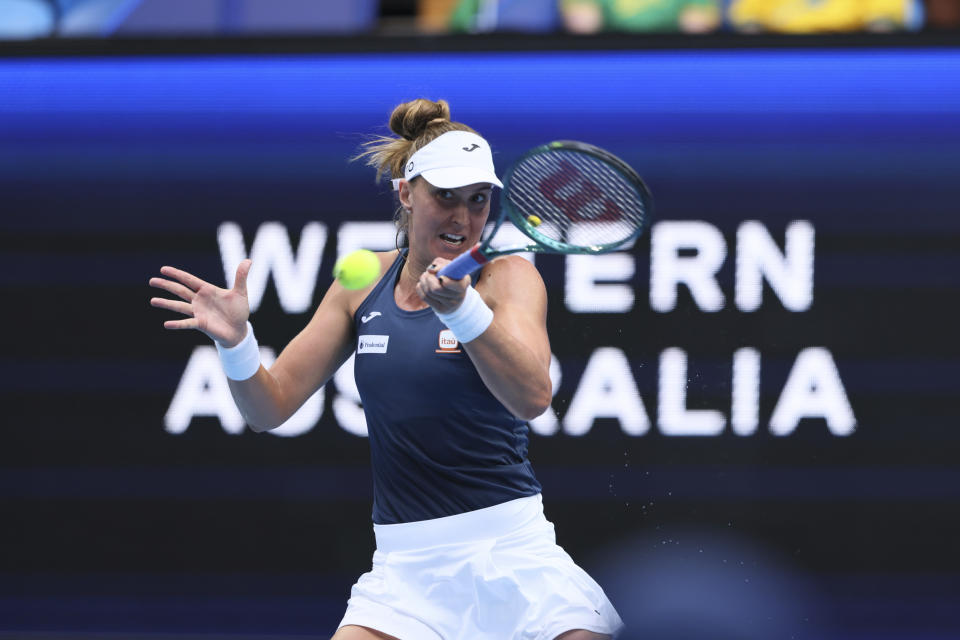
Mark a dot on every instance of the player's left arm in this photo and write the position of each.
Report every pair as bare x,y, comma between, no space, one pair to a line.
512,355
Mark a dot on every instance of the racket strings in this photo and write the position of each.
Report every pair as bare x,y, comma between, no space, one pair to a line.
579,200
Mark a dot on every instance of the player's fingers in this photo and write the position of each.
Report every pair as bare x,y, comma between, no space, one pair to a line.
173,305
240,282
438,289
439,263
186,323
188,279
428,288
175,288
450,291
432,288
456,285
442,303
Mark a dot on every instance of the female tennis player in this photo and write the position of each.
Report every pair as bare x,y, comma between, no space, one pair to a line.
449,373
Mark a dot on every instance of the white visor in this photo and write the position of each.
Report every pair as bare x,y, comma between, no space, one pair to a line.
455,159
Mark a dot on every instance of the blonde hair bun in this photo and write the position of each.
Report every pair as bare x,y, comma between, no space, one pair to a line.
411,119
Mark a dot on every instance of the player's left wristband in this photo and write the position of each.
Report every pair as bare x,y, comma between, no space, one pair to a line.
242,360
470,319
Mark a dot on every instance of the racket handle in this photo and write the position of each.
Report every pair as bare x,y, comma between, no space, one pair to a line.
465,264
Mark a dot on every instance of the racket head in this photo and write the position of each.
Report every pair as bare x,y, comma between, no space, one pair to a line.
574,197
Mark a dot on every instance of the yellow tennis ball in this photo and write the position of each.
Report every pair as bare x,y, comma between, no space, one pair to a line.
534,220
357,269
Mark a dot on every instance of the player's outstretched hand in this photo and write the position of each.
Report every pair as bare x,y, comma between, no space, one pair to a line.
219,313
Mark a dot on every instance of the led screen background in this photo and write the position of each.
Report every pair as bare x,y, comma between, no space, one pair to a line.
113,166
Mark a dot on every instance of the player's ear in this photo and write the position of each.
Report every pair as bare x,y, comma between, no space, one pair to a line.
403,192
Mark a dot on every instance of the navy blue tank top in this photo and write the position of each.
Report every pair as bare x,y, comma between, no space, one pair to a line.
440,442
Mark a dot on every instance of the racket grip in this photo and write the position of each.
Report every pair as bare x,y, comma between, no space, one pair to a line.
465,264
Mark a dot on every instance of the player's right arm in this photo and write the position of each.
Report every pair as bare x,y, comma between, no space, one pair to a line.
269,397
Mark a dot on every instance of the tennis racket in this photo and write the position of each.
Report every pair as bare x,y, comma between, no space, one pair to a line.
567,197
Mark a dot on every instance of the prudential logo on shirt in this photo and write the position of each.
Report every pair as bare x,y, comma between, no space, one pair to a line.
373,344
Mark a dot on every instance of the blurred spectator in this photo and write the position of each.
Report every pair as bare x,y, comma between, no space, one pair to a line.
433,16
688,16
943,14
104,18
477,16
821,16
21,19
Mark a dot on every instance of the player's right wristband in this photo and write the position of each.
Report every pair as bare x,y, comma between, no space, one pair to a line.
470,319
241,361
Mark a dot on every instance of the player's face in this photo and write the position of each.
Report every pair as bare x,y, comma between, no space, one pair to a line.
446,222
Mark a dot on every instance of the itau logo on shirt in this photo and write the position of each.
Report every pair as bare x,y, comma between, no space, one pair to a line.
447,343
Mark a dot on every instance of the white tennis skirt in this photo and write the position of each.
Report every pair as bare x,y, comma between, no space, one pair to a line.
490,574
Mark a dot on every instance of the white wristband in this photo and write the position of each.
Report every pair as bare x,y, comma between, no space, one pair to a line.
242,360
470,319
